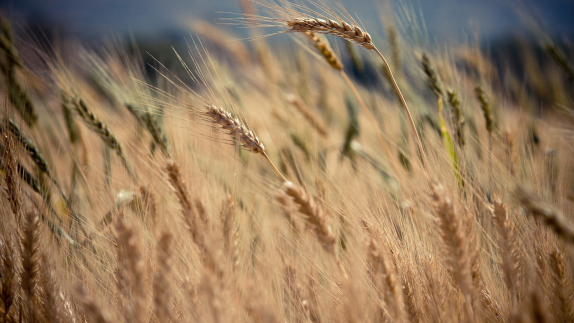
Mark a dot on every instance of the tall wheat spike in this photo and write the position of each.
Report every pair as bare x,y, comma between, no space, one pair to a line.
354,34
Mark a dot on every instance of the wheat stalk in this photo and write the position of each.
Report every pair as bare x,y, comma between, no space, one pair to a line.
354,34
332,59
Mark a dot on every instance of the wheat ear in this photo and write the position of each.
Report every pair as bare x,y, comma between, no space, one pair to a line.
325,50
336,64
50,308
453,236
562,298
551,216
316,220
30,240
356,35
230,233
94,311
130,273
382,266
161,288
16,93
11,171
240,132
101,129
313,119
192,215
507,246
8,276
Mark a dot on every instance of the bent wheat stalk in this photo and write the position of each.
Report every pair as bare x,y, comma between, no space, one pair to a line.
336,64
354,34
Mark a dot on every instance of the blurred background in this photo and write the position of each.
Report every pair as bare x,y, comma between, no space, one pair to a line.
491,20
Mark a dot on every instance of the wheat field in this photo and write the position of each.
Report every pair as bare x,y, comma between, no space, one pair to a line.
345,177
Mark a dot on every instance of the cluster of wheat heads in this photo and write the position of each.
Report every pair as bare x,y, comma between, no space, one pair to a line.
253,190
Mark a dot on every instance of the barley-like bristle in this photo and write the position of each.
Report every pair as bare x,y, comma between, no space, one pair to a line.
412,310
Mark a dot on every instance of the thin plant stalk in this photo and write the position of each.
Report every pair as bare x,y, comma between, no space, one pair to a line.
404,103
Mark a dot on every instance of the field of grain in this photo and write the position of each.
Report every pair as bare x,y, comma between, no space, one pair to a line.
340,177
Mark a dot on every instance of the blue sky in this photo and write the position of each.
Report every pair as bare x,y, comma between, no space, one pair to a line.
443,18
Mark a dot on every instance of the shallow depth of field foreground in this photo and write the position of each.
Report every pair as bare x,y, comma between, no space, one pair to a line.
339,175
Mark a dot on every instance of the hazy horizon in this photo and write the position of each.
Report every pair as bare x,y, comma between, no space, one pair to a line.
444,19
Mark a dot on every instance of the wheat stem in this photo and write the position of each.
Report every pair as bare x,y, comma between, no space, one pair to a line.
404,103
